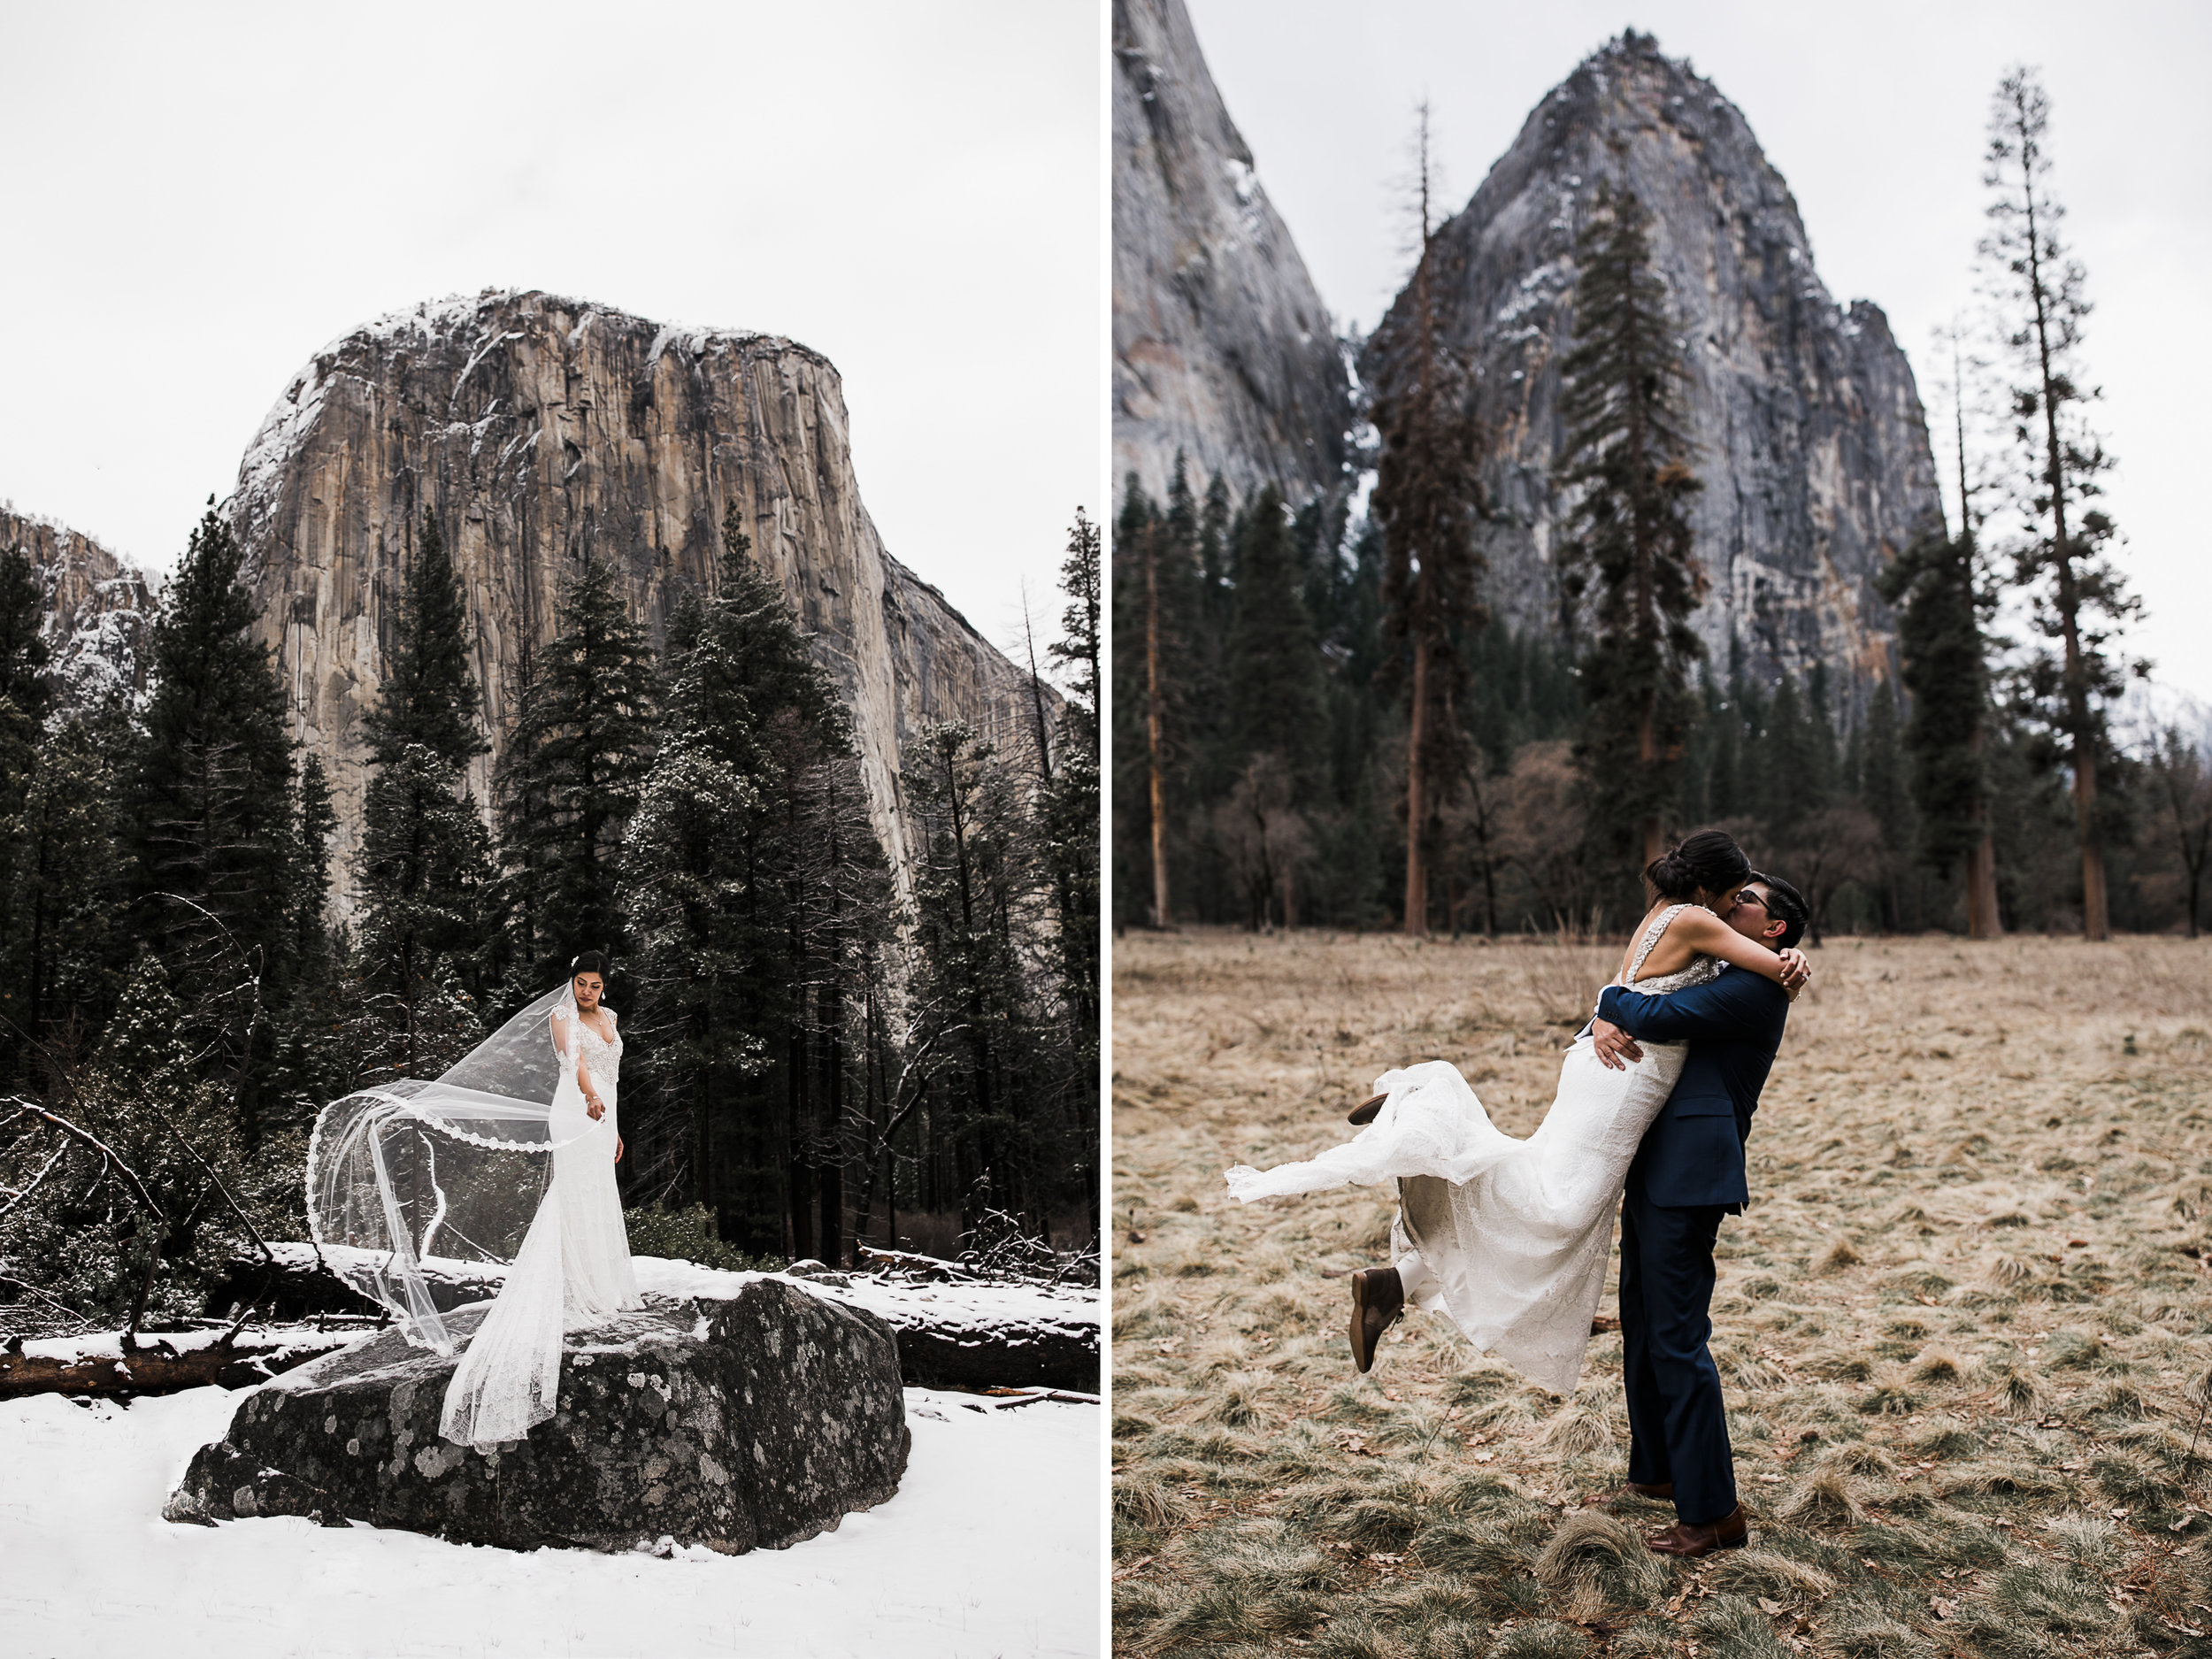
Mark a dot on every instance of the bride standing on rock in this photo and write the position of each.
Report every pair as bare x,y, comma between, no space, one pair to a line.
505,1159
574,1264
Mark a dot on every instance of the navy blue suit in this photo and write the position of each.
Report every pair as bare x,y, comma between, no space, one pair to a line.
1688,1171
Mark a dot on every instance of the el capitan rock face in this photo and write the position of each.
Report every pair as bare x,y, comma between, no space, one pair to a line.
1807,427
1223,350
541,429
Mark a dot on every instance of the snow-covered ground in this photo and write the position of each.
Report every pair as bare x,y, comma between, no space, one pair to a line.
992,1546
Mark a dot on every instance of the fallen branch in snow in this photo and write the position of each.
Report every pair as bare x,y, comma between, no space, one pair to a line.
161,1369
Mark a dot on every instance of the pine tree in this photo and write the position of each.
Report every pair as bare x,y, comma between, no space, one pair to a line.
424,871
63,904
1274,660
1070,816
429,696
569,779
1627,549
209,813
1426,500
25,694
1931,583
2177,765
2081,600
760,904
976,891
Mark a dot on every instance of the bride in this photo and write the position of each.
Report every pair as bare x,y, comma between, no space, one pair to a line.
506,1158
574,1264
1509,1238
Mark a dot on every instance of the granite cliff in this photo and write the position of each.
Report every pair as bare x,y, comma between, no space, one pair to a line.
97,610
1222,350
1807,427
541,430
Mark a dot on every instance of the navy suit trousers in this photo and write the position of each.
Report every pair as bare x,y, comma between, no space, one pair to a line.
1678,1429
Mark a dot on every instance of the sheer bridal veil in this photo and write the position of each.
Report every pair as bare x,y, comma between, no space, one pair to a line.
456,1169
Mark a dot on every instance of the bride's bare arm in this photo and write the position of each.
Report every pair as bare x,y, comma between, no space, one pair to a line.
1708,934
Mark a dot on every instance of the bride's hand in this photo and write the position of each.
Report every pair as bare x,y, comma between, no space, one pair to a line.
595,1108
618,1149
1797,969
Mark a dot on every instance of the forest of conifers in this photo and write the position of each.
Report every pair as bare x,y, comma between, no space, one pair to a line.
1320,721
812,1056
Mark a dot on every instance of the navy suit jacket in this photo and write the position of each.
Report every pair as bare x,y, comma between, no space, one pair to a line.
1692,1152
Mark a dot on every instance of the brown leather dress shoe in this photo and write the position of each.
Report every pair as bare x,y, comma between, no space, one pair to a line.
1378,1299
1366,1111
1730,1532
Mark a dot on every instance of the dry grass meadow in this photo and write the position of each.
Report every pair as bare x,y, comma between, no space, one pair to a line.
1965,1326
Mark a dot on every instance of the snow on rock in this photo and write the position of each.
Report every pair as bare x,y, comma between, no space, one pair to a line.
97,611
94,1572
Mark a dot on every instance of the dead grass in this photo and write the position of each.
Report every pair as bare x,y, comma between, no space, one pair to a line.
1965,1329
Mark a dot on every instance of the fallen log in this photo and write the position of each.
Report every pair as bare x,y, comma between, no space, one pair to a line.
161,1368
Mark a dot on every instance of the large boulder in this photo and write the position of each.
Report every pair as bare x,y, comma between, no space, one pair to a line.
762,1421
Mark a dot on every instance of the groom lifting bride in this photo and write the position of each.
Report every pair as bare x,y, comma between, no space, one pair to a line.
1509,1238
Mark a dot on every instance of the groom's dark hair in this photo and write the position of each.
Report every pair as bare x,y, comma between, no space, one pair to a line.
1785,904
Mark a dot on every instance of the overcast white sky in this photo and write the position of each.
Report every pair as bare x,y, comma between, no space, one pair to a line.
196,198
1874,114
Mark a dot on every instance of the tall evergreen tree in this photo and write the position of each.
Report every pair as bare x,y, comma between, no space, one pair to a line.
569,778
25,694
1427,499
977,932
1627,545
424,871
760,904
1931,583
429,696
2080,598
1070,815
209,814
1274,660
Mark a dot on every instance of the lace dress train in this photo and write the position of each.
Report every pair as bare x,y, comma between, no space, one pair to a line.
573,1269
1511,1236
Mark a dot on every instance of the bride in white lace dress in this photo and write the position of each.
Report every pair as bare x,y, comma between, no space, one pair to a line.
574,1266
1509,1238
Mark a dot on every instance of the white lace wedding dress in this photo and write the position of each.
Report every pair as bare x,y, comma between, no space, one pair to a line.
574,1268
1511,1236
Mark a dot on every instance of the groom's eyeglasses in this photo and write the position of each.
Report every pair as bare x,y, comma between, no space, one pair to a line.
1749,898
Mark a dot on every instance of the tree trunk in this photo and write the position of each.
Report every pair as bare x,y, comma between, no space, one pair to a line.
1648,751
1416,804
1152,724
1982,920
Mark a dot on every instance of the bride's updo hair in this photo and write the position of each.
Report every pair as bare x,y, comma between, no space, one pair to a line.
590,962
1708,862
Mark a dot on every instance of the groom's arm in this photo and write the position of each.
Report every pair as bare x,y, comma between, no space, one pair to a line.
1731,1008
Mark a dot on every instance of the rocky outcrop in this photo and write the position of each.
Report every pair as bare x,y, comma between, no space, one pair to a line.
97,610
757,1426
543,431
1805,423
1222,348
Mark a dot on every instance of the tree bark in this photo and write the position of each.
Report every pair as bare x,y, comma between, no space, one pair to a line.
1416,803
1152,730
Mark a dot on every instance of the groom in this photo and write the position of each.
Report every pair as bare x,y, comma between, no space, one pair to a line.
1688,1172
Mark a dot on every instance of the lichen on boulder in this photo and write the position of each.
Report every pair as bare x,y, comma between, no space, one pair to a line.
757,1424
